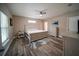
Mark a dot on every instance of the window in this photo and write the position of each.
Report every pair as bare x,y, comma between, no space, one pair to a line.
31,21
4,27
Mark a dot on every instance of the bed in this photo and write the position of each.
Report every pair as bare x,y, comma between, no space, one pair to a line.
37,34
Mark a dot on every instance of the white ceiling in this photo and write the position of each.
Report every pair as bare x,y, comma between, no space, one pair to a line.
29,9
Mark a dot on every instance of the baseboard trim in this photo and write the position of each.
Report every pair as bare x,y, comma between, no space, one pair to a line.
7,47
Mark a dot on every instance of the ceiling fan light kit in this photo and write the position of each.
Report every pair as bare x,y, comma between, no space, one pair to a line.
41,15
42,12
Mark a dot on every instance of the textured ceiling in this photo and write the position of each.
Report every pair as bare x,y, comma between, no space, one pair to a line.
30,9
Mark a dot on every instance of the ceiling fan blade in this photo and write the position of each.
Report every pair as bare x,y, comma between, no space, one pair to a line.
37,10
41,10
44,10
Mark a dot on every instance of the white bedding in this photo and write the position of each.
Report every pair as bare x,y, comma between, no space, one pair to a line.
36,31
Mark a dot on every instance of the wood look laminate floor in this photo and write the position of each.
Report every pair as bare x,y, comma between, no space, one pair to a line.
54,47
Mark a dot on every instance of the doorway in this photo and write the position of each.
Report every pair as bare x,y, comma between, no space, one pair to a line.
46,25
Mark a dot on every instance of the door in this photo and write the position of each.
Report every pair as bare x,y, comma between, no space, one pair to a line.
46,25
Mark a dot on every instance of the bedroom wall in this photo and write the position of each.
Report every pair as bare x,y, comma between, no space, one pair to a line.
20,22
5,10
62,20
63,24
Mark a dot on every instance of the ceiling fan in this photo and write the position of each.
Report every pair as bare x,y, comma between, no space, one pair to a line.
42,12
